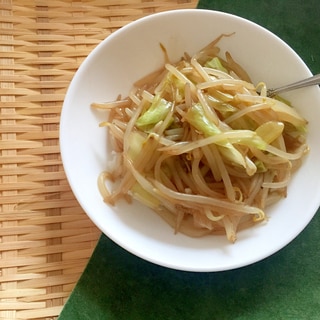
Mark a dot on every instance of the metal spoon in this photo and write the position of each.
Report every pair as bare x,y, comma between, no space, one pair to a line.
296,85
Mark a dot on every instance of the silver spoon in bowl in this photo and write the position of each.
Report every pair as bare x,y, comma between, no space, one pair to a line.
314,80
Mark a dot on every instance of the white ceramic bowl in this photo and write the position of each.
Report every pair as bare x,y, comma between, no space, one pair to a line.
133,52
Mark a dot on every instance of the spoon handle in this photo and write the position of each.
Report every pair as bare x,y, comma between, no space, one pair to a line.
296,85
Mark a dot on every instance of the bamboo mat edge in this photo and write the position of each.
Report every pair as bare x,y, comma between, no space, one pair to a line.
45,237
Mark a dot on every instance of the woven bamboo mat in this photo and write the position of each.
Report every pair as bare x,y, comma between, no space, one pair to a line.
45,237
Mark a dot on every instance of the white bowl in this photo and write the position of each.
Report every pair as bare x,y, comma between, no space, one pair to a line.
133,52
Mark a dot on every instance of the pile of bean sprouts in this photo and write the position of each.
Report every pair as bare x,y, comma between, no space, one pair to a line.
201,145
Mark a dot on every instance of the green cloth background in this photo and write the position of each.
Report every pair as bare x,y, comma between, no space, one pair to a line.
119,286
297,22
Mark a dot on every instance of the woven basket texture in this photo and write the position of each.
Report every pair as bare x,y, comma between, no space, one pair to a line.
45,237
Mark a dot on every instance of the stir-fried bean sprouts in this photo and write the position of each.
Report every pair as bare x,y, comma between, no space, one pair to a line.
195,142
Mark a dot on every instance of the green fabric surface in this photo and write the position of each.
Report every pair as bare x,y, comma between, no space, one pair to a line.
297,22
117,285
